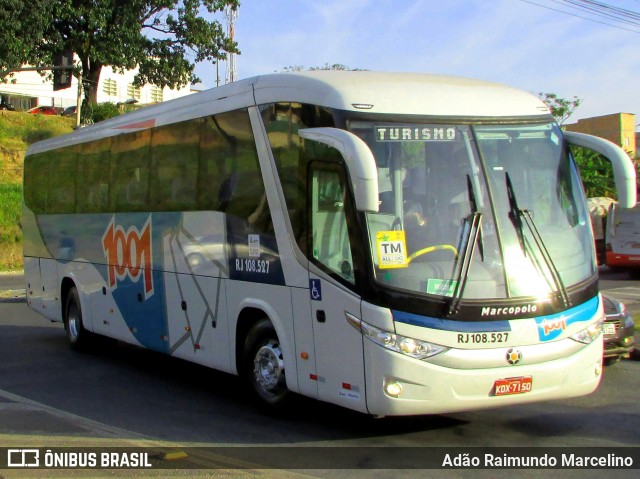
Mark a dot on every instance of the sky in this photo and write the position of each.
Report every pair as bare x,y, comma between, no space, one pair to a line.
522,43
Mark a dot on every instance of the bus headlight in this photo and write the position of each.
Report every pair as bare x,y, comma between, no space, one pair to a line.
590,334
411,347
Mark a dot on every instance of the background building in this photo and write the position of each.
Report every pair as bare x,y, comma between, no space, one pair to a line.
28,89
619,128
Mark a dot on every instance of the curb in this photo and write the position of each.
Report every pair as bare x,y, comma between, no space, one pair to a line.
13,294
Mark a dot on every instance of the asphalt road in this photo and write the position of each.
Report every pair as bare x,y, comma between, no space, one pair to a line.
122,396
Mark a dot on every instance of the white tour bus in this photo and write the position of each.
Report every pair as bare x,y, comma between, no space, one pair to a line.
393,243
622,239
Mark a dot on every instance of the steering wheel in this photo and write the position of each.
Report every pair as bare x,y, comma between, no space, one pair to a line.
431,249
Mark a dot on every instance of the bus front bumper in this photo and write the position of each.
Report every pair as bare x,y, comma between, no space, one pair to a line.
400,385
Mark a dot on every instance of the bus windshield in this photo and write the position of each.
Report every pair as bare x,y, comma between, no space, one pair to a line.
477,211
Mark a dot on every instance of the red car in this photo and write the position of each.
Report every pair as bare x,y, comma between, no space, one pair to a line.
43,110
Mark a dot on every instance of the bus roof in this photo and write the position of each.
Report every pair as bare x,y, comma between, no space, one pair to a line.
374,92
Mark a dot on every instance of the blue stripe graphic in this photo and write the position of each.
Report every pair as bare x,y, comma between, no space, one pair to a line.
552,326
450,325
549,327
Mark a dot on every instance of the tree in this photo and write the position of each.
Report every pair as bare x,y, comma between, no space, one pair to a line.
596,172
22,28
164,38
560,108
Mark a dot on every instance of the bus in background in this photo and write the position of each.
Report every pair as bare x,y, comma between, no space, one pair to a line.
396,244
622,239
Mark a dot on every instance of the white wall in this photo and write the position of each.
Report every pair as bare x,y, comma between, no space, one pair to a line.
33,85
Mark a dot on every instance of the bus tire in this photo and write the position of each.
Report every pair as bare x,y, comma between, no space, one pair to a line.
77,335
263,365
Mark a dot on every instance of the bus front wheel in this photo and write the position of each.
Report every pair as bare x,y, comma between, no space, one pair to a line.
264,364
76,334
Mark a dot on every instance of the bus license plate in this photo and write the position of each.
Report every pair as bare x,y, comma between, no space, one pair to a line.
504,387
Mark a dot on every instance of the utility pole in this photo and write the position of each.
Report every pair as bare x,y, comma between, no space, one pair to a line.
79,100
232,16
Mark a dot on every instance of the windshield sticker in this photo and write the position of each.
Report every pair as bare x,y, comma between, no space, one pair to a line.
441,287
254,246
392,249
409,133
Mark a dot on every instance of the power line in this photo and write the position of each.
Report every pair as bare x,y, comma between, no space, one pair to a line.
599,10
602,10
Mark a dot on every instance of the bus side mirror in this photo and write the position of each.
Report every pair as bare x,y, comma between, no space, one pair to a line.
361,165
624,171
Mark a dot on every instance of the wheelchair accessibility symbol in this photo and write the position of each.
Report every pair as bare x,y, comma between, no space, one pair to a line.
315,290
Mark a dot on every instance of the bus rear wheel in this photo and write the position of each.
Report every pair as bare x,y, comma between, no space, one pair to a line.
264,365
76,334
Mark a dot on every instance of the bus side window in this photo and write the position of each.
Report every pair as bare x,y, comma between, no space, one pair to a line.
175,153
329,228
36,175
230,160
216,155
282,121
130,171
93,177
61,194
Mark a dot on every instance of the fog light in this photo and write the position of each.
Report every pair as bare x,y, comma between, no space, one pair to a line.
393,389
598,369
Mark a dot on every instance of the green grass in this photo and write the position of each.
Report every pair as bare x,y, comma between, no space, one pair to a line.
10,227
17,132
10,205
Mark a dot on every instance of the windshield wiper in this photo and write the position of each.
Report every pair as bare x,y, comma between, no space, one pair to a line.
517,215
474,220
474,210
470,240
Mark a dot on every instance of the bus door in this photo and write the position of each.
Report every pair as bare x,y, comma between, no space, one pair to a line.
339,364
